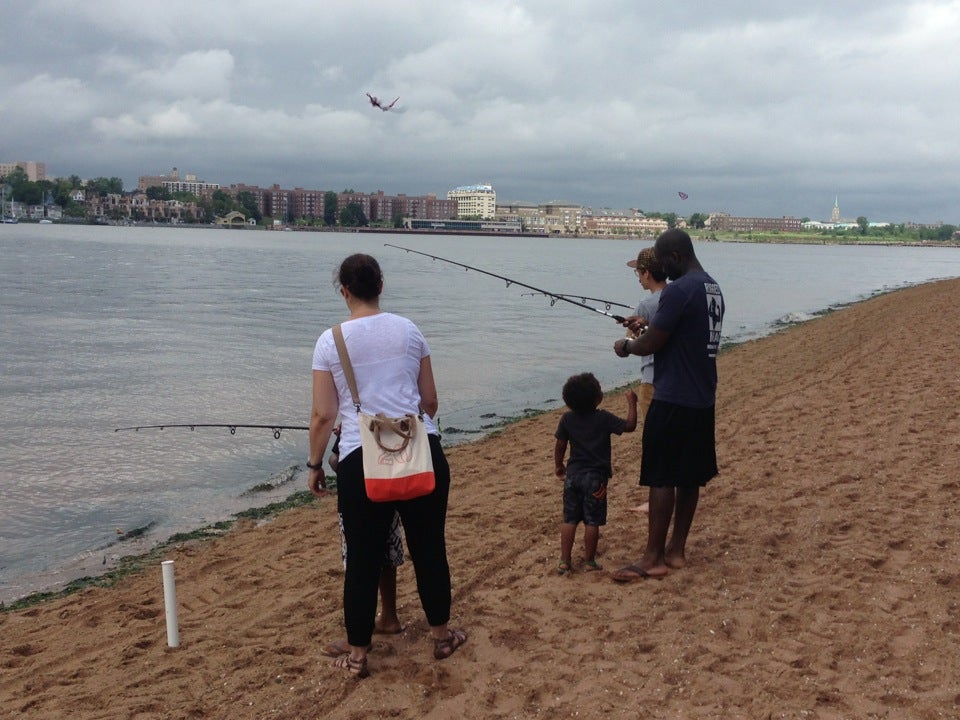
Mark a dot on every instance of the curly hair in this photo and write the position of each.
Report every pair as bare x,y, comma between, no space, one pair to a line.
582,393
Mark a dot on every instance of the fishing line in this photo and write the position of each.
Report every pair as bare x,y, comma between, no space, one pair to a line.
232,427
554,297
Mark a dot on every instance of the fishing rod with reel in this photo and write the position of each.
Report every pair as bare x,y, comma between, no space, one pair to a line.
554,297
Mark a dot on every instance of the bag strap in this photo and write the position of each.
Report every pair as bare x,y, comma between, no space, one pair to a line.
345,363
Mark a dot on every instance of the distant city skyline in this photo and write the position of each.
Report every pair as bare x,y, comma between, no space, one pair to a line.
188,178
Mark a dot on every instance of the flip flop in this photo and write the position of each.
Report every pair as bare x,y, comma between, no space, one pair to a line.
592,566
635,573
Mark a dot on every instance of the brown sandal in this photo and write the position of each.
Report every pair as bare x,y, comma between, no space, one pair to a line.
446,647
357,668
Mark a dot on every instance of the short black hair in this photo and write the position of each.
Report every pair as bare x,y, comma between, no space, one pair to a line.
675,240
582,393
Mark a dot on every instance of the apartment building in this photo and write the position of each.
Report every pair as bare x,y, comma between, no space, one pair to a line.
605,221
279,203
384,208
174,183
36,171
307,203
475,201
361,199
731,223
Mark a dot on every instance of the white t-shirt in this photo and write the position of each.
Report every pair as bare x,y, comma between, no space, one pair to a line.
385,351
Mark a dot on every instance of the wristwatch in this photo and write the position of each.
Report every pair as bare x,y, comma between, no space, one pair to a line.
313,466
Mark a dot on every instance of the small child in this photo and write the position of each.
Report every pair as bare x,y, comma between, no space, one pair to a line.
587,429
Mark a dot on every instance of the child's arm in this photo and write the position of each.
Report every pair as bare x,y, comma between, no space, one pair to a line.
631,411
559,451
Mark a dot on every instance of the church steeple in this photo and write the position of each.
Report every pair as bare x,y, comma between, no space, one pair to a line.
835,214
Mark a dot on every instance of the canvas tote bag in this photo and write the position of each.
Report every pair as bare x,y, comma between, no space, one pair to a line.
397,464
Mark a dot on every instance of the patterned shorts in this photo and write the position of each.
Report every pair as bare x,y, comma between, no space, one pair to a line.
585,498
393,555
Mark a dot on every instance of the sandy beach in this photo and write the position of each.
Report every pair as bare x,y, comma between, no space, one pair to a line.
822,581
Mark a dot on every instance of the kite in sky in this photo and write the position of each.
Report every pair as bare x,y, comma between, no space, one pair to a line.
682,194
376,103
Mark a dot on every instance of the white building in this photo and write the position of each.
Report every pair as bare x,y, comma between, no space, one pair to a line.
475,201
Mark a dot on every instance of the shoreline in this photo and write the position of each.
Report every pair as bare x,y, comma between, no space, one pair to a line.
85,570
821,578
771,238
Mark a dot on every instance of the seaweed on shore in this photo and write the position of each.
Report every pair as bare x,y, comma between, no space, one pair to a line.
134,564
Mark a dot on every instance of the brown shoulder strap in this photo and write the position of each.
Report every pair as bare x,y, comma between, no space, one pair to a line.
345,363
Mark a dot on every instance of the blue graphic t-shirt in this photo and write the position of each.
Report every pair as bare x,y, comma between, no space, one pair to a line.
685,369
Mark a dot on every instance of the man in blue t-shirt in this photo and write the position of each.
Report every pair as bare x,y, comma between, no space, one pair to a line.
679,451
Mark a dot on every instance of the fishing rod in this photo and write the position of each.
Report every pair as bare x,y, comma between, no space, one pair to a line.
232,427
606,303
554,297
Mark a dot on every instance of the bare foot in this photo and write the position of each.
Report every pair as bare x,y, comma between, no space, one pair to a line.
641,508
674,560
389,628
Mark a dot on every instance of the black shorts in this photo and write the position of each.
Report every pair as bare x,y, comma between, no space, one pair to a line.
679,448
585,498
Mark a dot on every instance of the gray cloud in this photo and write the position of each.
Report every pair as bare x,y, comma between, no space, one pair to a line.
762,108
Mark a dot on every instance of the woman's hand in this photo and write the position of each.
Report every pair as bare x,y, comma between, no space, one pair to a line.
317,482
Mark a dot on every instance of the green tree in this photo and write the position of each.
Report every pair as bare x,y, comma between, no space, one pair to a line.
352,216
29,193
16,179
221,203
158,192
103,186
945,232
330,207
248,202
862,222
698,220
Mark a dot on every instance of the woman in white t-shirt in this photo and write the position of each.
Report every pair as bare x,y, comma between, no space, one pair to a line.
391,362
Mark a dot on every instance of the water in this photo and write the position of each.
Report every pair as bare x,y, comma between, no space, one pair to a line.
110,327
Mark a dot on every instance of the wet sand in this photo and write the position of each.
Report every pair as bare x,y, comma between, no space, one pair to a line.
822,581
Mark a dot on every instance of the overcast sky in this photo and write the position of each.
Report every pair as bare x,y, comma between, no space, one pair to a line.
767,107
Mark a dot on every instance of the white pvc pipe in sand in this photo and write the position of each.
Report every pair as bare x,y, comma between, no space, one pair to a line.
170,604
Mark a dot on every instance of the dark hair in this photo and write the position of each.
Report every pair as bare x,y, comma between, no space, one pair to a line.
361,275
582,392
